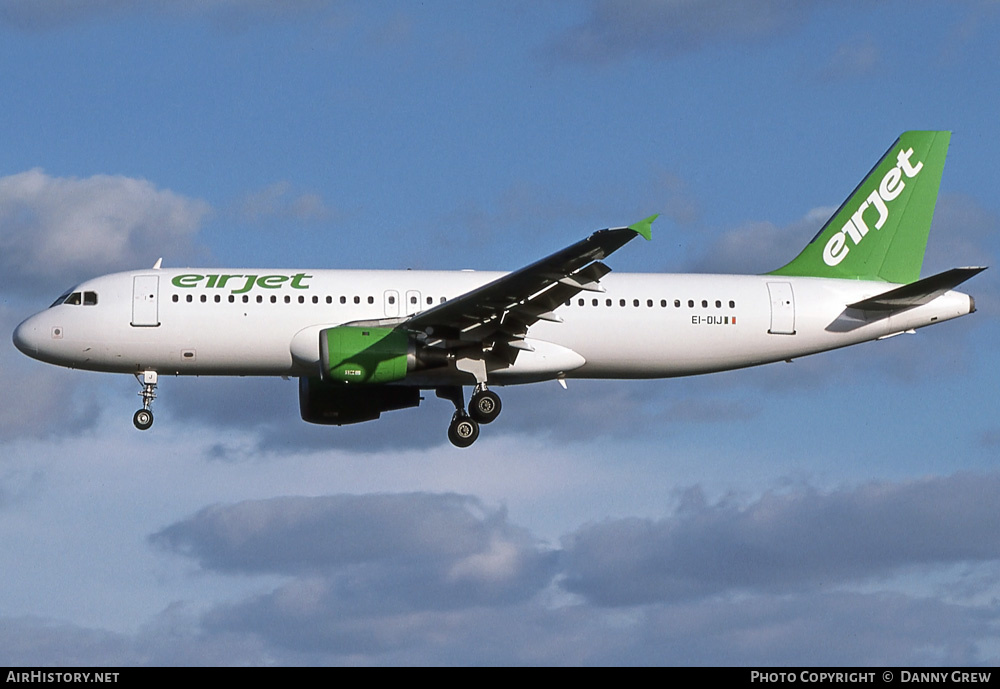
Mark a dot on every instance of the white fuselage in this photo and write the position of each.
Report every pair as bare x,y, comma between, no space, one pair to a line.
267,322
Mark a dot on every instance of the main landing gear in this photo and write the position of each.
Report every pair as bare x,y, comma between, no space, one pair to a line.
143,418
484,407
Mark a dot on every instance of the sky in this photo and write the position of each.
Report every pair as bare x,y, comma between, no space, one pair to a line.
838,510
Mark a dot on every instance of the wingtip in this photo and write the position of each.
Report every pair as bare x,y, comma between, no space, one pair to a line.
645,227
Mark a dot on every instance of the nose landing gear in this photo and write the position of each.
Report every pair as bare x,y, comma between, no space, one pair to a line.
143,418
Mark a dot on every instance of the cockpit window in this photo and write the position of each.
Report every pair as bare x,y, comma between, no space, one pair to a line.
61,299
77,298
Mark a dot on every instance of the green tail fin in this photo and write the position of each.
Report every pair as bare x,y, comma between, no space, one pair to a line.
880,231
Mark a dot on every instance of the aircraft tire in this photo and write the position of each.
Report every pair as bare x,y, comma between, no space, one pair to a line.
142,419
485,406
463,431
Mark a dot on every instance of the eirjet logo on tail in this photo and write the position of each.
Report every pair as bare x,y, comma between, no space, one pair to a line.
896,198
892,185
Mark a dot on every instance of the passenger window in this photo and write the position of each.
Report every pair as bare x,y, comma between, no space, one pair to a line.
649,302
371,300
704,303
204,298
392,300
732,304
357,300
718,304
677,303
690,303
175,298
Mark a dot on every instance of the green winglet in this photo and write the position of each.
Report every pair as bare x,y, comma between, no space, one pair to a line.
645,227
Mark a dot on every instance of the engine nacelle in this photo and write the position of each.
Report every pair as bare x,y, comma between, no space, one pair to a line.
372,355
338,404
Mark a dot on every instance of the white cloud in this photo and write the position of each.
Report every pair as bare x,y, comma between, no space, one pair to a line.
55,230
666,28
798,576
446,541
757,247
822,629
280,202
786,541
855,58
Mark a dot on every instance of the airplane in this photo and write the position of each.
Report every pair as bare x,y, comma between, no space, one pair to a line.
364,342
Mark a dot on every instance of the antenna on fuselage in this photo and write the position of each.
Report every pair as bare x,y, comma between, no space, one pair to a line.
159,262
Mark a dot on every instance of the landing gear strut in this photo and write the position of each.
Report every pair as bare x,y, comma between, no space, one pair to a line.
484,407
143,418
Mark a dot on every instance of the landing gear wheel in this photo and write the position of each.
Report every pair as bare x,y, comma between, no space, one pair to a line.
143,419
485,406
463,431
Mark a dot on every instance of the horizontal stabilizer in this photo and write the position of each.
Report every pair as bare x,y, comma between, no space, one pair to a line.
917,293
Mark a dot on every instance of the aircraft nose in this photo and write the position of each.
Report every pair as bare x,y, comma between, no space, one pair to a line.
26,338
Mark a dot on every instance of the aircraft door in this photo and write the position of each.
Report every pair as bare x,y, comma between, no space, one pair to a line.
145,301
782,308
391,300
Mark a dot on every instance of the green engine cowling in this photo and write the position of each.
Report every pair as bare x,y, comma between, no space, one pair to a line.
351,354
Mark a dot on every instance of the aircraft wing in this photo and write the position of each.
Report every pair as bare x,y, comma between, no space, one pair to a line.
499,313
